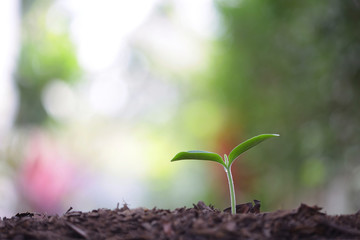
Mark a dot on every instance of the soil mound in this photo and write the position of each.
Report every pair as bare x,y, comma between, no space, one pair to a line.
199,222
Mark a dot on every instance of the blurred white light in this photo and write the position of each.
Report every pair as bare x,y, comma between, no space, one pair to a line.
168,44
8,197
200,16
101,28
57,18
59,100
9,43
176,40
108,95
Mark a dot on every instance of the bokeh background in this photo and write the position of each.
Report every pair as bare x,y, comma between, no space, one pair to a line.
97,96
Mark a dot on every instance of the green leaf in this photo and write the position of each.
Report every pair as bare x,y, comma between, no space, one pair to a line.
244,146
198,155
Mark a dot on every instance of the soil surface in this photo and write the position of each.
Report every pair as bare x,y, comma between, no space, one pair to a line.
199,222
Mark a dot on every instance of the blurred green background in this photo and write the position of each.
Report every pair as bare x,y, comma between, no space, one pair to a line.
98,96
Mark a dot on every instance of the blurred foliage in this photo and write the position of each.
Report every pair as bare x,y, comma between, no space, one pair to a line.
45,55
289,67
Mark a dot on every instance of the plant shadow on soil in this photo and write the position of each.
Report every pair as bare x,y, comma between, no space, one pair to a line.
199,222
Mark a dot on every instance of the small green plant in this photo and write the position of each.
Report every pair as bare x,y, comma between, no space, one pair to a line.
227,161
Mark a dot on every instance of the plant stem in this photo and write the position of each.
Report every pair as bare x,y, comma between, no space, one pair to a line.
231,188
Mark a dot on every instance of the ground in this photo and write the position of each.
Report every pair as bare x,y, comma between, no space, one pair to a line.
199,222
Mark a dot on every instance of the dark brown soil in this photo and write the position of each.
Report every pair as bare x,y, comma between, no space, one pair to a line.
199,222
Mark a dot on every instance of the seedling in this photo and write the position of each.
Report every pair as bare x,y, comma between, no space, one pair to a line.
227,161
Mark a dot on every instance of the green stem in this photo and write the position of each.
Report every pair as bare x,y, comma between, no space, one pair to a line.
232,190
